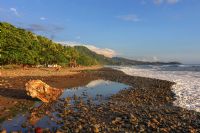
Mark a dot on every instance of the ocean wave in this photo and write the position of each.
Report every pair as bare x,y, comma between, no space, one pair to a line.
187,87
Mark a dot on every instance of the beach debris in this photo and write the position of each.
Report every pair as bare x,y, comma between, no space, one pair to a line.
39,89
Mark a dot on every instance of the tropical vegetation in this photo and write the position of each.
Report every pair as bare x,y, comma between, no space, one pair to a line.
20,46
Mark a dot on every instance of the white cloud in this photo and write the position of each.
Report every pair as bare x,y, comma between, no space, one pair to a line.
14,10
103,51
173,1
146,59
43,18
166,1
130,17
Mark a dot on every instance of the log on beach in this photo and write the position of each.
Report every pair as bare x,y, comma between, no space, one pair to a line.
39,89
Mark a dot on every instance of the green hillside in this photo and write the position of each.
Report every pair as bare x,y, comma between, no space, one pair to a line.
99,58
19,46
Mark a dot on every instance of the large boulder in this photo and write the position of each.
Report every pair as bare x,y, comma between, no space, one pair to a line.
42,91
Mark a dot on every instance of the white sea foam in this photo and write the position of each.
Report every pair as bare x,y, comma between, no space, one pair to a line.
187,87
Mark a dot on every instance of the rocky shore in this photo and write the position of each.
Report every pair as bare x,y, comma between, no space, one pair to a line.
147,106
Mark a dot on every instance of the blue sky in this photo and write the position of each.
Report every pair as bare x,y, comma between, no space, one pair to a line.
139,29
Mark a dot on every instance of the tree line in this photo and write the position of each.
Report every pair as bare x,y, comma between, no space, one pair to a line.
19,46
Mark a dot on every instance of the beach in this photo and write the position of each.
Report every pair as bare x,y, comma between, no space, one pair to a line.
145,106
12,85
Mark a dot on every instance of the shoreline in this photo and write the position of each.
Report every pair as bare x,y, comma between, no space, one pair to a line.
149,102
12,85
187,82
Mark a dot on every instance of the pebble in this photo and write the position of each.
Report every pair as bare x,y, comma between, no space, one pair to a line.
146,107
96,128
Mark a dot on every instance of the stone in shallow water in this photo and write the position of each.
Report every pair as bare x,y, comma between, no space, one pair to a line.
42,91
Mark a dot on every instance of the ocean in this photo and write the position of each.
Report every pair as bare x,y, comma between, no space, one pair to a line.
186,77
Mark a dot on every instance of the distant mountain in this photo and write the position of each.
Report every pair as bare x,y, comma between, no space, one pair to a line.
124,61
101,59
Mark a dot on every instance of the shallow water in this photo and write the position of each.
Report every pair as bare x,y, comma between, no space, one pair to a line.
98,91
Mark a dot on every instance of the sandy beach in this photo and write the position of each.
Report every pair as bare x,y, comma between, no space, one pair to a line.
146,106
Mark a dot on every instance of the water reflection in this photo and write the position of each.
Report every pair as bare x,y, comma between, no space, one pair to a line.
49,116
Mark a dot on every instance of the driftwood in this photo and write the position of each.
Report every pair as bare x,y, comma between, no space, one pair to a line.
42,91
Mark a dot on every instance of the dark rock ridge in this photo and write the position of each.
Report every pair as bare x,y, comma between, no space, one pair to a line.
124,61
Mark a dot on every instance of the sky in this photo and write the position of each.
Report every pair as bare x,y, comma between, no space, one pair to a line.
155,30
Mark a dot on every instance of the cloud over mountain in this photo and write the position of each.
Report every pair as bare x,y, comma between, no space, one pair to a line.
103,51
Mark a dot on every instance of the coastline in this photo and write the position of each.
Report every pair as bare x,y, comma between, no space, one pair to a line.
146,106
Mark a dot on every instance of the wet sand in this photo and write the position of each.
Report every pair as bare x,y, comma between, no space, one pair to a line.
12,85
147,106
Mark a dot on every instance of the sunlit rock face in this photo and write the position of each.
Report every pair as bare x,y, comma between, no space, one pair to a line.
42,91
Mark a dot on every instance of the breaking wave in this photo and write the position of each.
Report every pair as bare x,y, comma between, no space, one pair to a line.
186,77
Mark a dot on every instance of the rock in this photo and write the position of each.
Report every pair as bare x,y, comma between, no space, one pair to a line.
67,99
96,128
77,130
155,121
152,125
85,109
3,131
42,91
80,127
192,130
133,119
58,131
164,130
142,128
116,120
167,98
